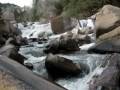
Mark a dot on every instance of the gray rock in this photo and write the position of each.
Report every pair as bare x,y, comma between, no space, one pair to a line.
60,67
107,19
110,77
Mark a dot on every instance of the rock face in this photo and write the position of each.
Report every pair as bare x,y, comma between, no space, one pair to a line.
107,19
109,46
110,77
108,43
60,24
112,34
10,37
7,21
108,30
59,67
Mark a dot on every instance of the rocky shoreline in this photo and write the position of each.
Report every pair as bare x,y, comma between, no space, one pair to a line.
56,52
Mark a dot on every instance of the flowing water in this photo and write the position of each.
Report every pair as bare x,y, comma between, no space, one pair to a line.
35,55
94,61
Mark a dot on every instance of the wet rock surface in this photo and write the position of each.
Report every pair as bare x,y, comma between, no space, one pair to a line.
59,66
67,43
110,77
102,49
11,51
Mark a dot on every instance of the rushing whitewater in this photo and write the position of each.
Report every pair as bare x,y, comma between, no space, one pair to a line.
32,31
35,55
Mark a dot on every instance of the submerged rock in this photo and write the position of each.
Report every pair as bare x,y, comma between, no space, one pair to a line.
60,67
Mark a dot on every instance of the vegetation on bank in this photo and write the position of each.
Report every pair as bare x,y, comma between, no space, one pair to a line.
44,9
20,13
72,8
82,8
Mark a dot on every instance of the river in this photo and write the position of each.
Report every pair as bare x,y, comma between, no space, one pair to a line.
34,54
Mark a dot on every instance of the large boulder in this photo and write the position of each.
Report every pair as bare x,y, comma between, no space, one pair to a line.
105,48
108,80
67,42
8,20
112,34
61,24
7,28
59,66
107,19
62,45
108,43
110,77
